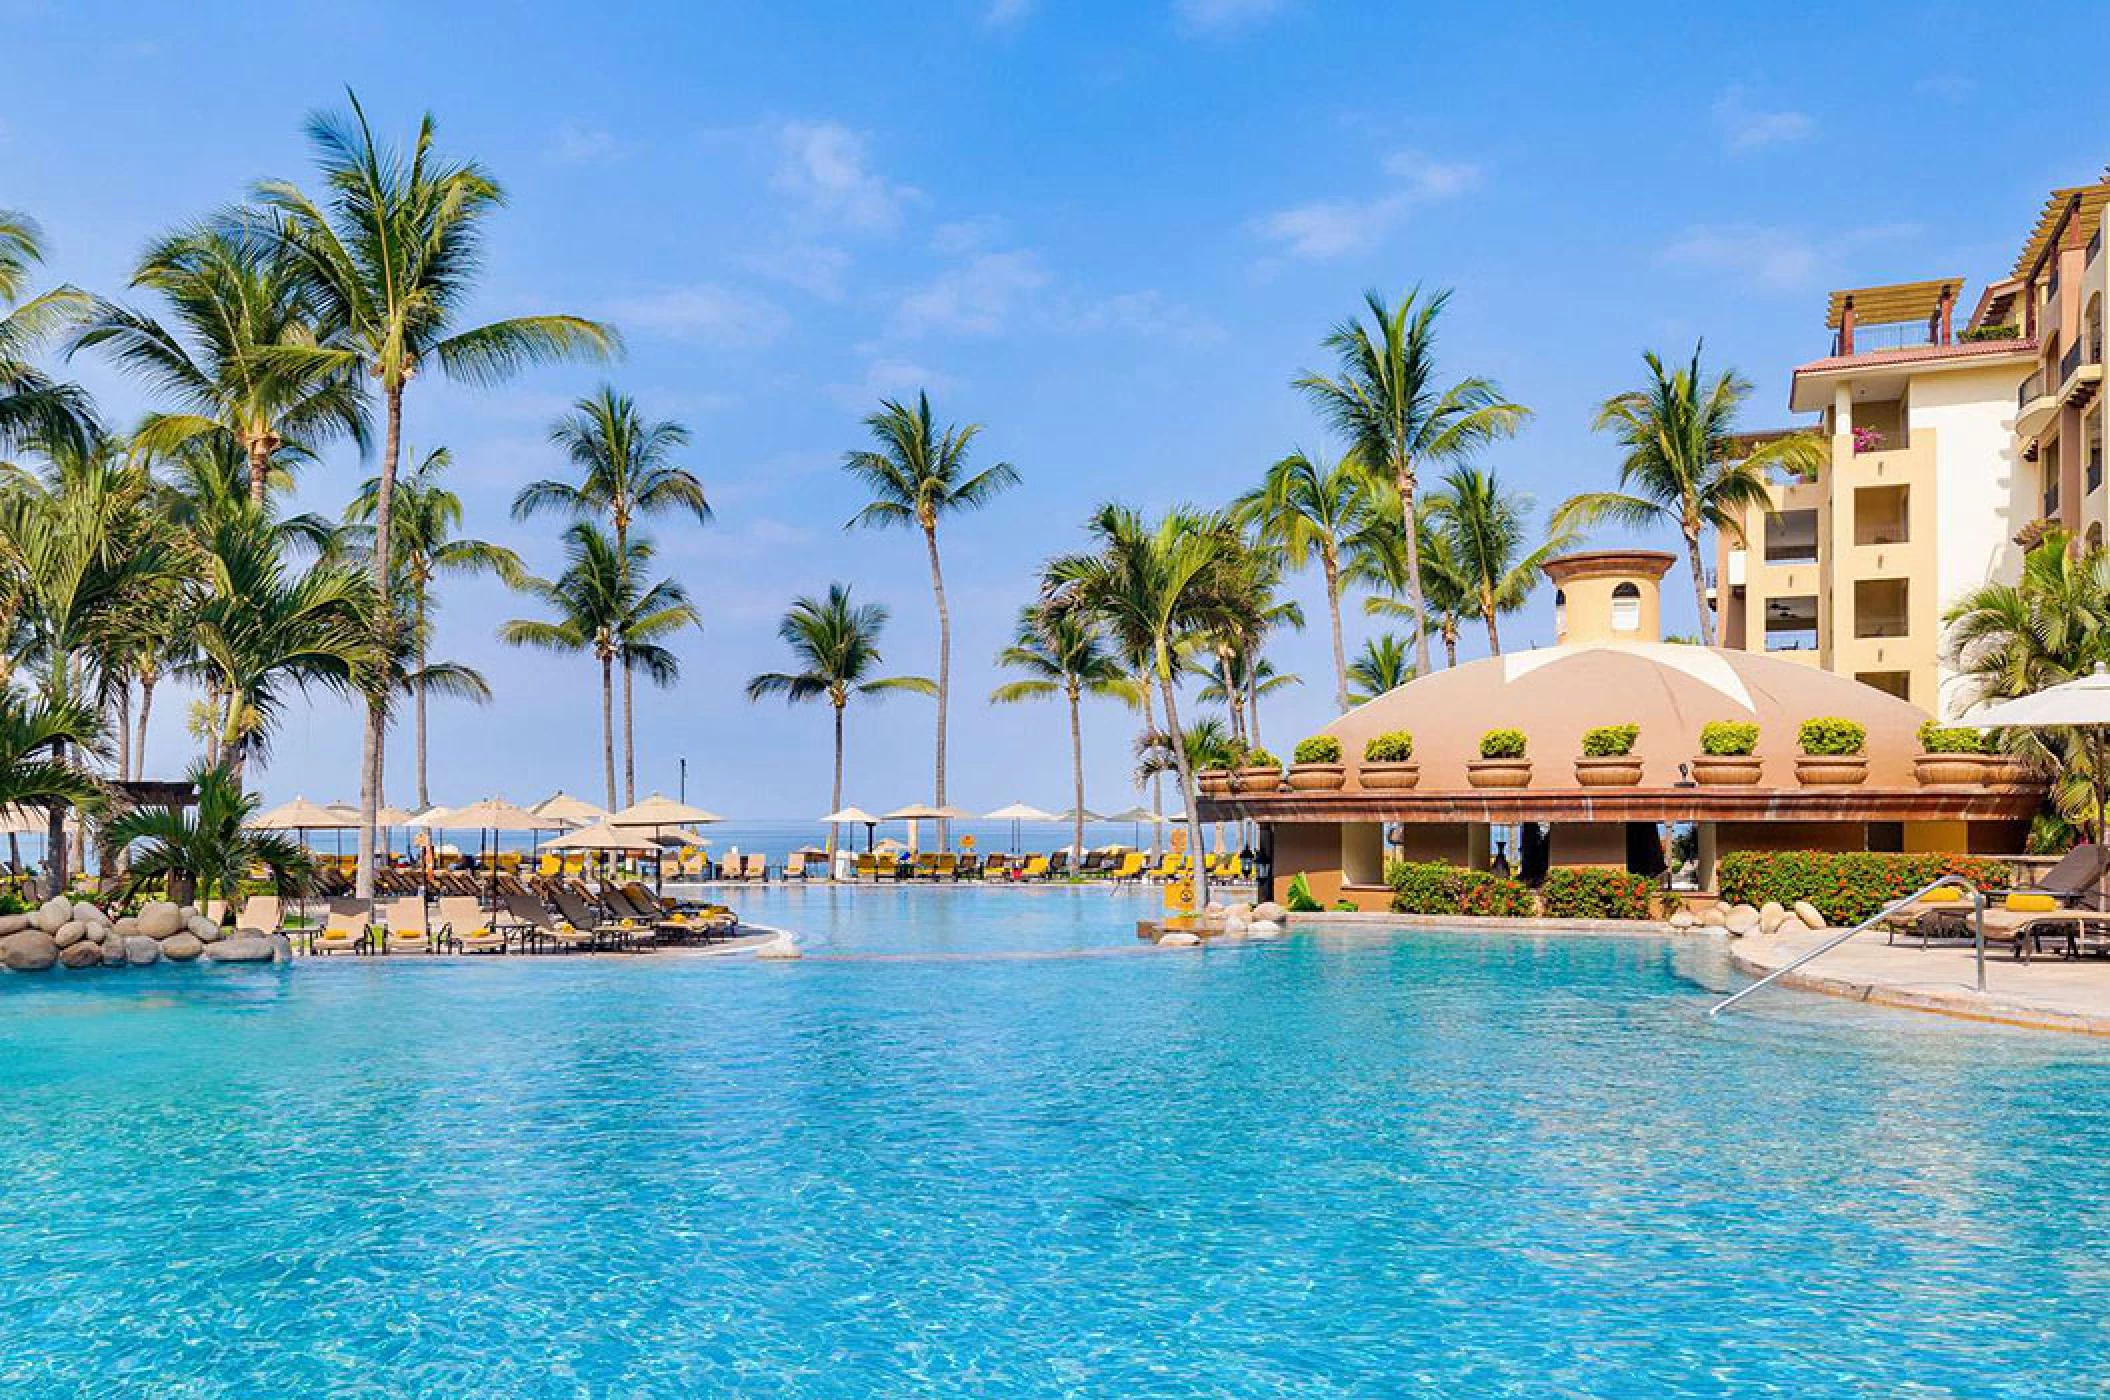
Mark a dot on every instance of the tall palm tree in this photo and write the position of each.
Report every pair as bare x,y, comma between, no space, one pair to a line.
426,517
1382,665
34,408
1253,573
1486,531
1312,512
835,643
207,850
1378,562
1065,654
917,475
1384,400
34,737
1684,465
626,473
391,249
1154,587
235,297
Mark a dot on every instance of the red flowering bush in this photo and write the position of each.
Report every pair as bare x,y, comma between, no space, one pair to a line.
1846,886
1585,893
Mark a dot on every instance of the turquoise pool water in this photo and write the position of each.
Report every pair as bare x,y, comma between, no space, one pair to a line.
1426,1164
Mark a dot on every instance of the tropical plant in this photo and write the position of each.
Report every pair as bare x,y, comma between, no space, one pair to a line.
1587,892
916,476
1384,401
1610,740
1728,738
35,736
1310,512
1380,667
207,850
1392,746
235,298
1502,743
1832,737
1484,527
1259,758
1438,887
35,410
1062,654
1685,467
391,250
626,473
1297,898
1205,744
1319,748
1378,562
835,643
1952,738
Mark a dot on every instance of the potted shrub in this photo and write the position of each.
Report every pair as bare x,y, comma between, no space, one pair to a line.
1501,763
1833,752
1260,771
1951,754
1214,782
1608,758
1728,754
1388,762
1315,765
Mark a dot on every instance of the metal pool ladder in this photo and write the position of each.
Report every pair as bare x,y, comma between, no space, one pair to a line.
1953,881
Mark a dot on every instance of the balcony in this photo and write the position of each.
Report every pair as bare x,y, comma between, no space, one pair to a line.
2035,403
2095,470
2080,372
2051,503
1895,335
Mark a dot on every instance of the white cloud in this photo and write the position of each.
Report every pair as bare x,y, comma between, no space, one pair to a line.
889,379
582,145
810,267
1772,258
824,166
1332,228
1001,14
1216,16
1746,128
966,235
1149,314
705,312
978,297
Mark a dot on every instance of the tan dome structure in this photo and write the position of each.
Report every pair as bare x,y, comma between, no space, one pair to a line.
1608,667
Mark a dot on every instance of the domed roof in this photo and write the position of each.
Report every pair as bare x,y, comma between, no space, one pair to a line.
1670,690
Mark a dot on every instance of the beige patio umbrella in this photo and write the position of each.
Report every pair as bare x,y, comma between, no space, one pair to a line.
599,836
658,811
1015,813
847,816
492,814
303,815
1138,817
915,814
564,810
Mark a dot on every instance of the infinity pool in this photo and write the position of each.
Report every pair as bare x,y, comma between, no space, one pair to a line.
1425,1164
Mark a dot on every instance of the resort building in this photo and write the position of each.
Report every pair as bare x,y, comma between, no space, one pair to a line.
1952,441
1609,667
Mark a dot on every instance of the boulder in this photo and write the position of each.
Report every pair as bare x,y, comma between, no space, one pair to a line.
1741,919
180,947
69,933
205,929
57,911
233,950
1263,932
81,954
160,919
30,950
127,926
281,946
1179,938
1271,912
113,952
89,914
98,933
1683,919
189,912
1714,916
782,948
13,923
1213,907
1808,913
141,951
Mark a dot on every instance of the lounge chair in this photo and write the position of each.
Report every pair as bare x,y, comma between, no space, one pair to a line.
866,868
466,928
756,868
1036,868
1130,868
345,929
946,867
2063,911
795,866
706,922
403,927
534,928
605,933
261,912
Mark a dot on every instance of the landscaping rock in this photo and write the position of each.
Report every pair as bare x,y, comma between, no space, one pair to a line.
69,933
1683,919
180,947
127,926
205,929
1807,912
1714,916
189,912
56,911
233,950
1270,911
1740,920
13,923
1179,938
81,954
1263,926
99,933
1771,917
160,919
113,953
1263,932
30,950
281,946
89,914
141,951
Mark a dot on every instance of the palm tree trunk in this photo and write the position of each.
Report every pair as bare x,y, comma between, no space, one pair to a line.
1487,611
1403,479
146,708
1179,754
1450,641
55,840
1333,615
418,701
384,617
122,703
1077,766
259,471
937,589
1699,586
1157,784
629,742
608,727
1252,699
837,805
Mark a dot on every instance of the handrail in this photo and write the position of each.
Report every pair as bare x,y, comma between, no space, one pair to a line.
1956,881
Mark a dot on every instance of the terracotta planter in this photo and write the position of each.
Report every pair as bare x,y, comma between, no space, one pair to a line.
1952,769
2001,769
1498,772
1727,770
1847,770
1245,780
1214,782
1318,777
1389,777
1624,770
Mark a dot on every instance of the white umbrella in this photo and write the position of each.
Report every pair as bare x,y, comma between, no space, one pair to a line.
1015,813
915,814
658,811
303,815
1138,816
564,810
847,815
2081,703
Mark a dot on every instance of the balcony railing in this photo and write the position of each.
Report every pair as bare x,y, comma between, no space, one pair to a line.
2095,244
2032,388
1893,335
2080,354
2095,470
2051,503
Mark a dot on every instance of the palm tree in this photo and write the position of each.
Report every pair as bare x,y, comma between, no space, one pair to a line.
1484,527
427,515
1154,587
1237,684
836,645
391,251
1312,512
1062,654
206,851
1381,666
916,477
625,474
1384,401
35,736
1254,575
1378,561
1684,465
236,297
35,410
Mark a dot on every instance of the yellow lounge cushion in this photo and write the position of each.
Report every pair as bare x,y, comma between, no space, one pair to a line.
2031,902
1947,894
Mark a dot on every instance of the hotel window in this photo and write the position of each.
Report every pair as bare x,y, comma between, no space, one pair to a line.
1882,515
1626,608
1898,683
1791,537
1880,607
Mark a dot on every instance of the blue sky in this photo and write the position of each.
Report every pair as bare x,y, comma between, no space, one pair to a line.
1112,233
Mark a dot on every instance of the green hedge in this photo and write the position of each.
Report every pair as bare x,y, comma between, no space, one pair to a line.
1393,746
1728,738
1586,893
1319,748
1846,886
1832,737
1502,743
1610,740
1434,887
2008,332
1259,758
1948,738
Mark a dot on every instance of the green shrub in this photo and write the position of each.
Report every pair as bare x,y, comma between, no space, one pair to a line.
1394,746
1259,758
13,903
1728,738
1319,748
1584,893
1298,897
1434,887
1610,740
1846,886
1502,743
1342,906
1951,738
2008,332
1832,737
